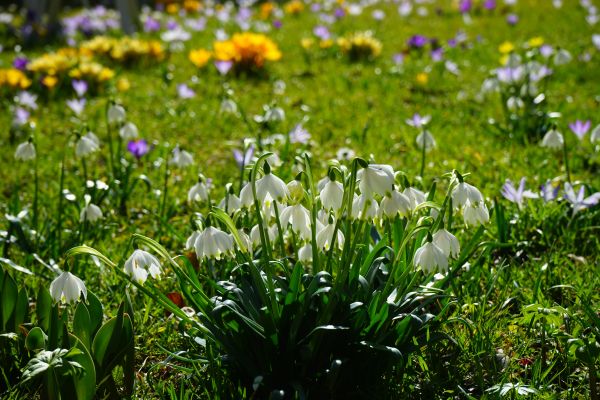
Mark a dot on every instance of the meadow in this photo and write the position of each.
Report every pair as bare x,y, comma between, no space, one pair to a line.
302,200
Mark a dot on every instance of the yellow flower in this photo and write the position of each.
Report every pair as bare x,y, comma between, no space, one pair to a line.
307,43
360,45
326,43
504,59
14,78
199,57
266,9
50,81
247,50
294,7
506,47
192,5
123,84
422,78
536,41
172,8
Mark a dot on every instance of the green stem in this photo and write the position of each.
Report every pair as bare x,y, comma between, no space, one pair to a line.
566,160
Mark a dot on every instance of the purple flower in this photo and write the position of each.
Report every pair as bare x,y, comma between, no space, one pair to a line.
437,54
277,24
21,116
418,121
452,43
80,87
512,19
27,99
546,50
196,25
20,63
299,135
548,191
517,195
321,32
417,41
489,4
184,91
172,25
580,128
244,159
339,12
76,105
223,66
579,201
465,6
151,25
138,148
398,58
315,7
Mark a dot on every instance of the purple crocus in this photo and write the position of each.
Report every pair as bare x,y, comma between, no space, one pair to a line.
580,128
277,24
138,148
172,25
437,54
339,12
299,135
517,195
20,63
76,105
322,32
185,92
151,25
512,19
21,116
489,4
417,41
223,66
465,6
398,58
579,201
418,121
243,159
548,191
80,87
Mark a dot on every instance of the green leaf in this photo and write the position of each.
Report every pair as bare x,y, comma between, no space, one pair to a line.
9,299
21,309
43,308
82,324
36,339
94,308
85,385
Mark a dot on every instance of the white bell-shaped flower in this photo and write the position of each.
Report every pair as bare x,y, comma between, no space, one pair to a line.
213,243
595,136
425,138
246,196
476,214
181,158
447,242
298,217
198,192
140,264
364,207
305,254
230,203
129,131
116,114
90,212
271,185
255,234
395,203
332,195
85,146
431,258
67,288
325,237
463,193
376,178
245,239
553,139
25,151
296,191
415,196
191,240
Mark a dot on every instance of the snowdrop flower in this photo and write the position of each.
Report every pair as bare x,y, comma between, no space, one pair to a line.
464,193
85,146
230,203
228,106
67,288
562,57
325,237
255,234
271,185
246,196
595,137
191,240
579,201
415,196
475,214
274,114
517,195
245,239
345,154
116,114
25,151
198,192
90,212
299,218
425,138
364,207
213,243
514,103
129,131
580,128
296,191
553,139
332,195
431,258
181,158
245,158
305,254
139,264
376,178
395,203
447,242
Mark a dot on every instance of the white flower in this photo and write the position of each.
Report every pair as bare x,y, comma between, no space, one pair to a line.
305,254
395,203
189,243
228,106
271,185
246,241
255,234
553,139
415,196
198,192
25,151
85,146
562,57
129,131
90,212
67,288
376,178
447,242
463,193
213,243
595,137
116,114
230,203
139,264
296,190
475,214
332,195
246,196
181,158
325,237
430,258
299,218
364,207
426,139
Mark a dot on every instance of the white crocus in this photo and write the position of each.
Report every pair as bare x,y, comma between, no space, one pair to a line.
332,195
90,212
140,264
298,218
376,178
116,114
25,151
553,139
198,192
213,243
85,146
431,258
271,185
67,288
475,213
395,203
364,207
447,242
181,158
129,131
425,138
325,237
464,193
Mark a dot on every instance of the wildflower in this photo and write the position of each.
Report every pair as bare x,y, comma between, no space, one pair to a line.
332,195
360,45
90,212
548,191
243,159
562,57
230,203
580,128
296,190
595,137
517,195
129,131
67,288
76,105
579,201
247,50
213,243
305,253
299,135
138,148
123,84
430,257
271,185
298,217
394,203
364,207
85,146
376,178
199,57
506,47
418,121
447,242
415,196
512,19
417,41
422,78
345,154
116,114
181,158
185,92
475,213
535,41
255,234
139,264
223,66
80,87
463,193
198,192
553,139
425,139
325,237
25,151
